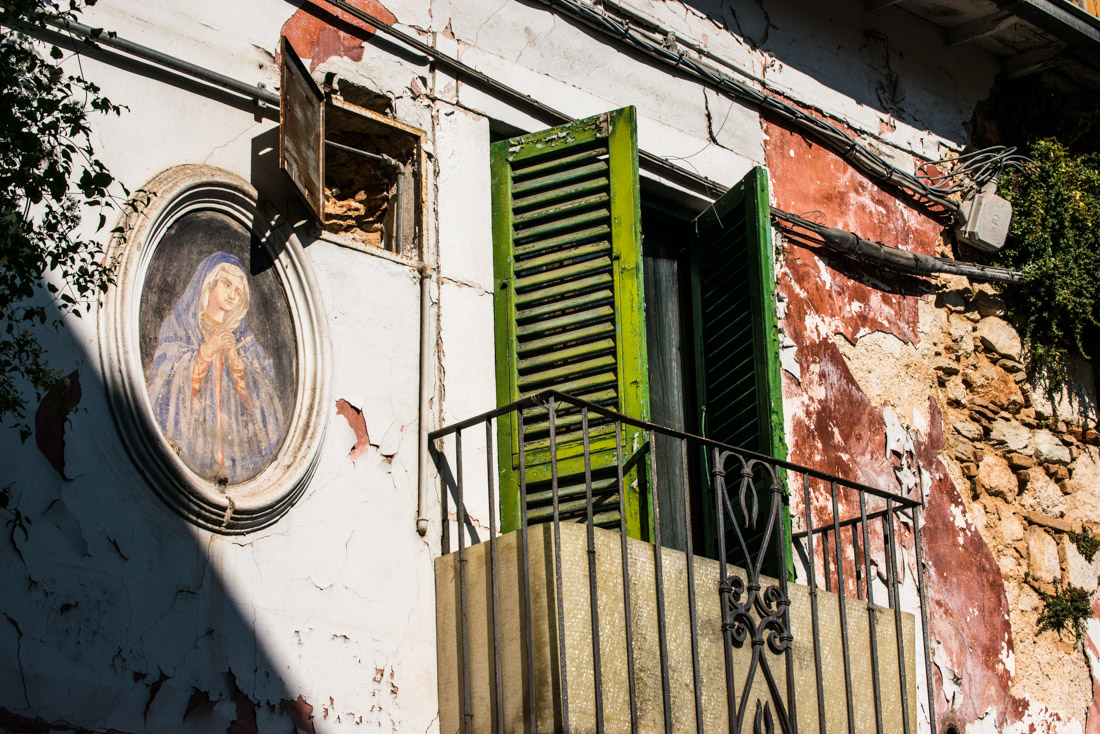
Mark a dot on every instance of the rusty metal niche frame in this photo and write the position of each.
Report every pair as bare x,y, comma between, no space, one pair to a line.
304,115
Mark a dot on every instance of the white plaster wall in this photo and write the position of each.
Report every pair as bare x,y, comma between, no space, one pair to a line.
110,591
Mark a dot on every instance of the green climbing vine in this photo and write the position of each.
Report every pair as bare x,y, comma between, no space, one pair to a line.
1055,240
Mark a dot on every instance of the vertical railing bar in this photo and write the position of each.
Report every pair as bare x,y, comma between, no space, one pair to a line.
467,705
855,559
897,616
840,595
814,615
627,618
593,599
872,625
886,555
779,496
444,507
719,482
918,517
659,582
825,559
692,613
498,693
557,567
530,641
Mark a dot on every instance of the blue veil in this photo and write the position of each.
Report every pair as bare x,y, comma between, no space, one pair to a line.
223,431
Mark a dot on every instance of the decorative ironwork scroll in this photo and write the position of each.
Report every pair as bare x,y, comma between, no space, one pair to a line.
754,614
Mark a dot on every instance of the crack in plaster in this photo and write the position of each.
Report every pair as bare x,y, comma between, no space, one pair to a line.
19,657
477,33
225,145
527,32
464,284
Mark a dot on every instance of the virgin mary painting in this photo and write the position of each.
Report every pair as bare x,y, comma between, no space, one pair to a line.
211,384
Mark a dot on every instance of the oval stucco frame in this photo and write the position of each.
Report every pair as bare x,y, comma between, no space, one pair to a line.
261,500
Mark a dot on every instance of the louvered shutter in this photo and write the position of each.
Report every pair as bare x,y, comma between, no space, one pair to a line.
568,301
736,331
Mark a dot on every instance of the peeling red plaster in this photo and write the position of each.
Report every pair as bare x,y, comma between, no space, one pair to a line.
319,32
967,600
809,180
245,723
1093,715
835,427
358,424
51,418
301,714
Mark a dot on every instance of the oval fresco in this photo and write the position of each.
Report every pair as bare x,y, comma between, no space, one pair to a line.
217,348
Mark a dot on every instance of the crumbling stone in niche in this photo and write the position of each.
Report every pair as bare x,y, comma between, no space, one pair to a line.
358,213
361,194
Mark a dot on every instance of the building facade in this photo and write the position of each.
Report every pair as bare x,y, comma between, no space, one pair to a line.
253,517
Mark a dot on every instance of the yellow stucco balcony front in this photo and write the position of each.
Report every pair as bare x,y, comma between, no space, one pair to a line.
565,643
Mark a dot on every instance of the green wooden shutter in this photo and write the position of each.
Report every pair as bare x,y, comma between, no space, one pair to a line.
736,330
568,306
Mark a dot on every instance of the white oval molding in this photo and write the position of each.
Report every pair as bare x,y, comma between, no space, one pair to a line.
256,497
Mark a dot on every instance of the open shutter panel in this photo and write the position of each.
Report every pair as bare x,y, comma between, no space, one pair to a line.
567,266
737,336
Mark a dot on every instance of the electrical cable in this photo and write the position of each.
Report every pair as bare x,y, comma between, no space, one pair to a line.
896,258
974,169
857,154
892,257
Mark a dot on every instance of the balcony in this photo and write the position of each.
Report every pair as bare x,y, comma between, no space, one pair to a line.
564,625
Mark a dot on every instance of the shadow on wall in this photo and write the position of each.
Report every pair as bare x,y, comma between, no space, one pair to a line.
117,611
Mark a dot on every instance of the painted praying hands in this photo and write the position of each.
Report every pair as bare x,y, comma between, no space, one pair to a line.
211,384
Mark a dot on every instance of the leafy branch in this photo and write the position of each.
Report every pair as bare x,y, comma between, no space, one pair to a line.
50,177
1055,240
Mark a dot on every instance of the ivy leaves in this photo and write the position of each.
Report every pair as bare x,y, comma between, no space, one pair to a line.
1055,240
50,178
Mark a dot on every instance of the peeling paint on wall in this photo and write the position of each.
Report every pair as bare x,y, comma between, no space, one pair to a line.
358,425
320,32
833,305
52,416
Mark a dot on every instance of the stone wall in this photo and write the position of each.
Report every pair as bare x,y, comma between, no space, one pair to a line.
1028,467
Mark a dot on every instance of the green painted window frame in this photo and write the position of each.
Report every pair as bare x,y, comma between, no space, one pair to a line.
744,208
617,132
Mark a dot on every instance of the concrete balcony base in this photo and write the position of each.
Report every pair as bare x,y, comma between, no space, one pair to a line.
580,679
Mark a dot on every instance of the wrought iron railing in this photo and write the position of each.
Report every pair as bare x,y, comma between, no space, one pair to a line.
846,536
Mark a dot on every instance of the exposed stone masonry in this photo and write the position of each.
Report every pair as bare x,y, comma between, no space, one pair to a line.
1033,472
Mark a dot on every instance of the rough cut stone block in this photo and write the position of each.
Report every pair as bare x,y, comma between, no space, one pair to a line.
1079,572
1042,554
1010,434
997,335
967,430
988,304
995,477
1048,448
1083,489
1041,494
